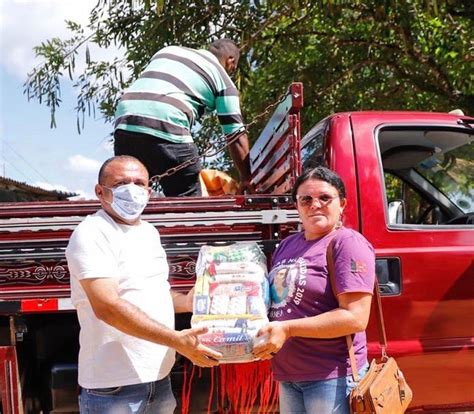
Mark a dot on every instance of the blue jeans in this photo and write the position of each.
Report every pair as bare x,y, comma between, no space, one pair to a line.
318,397
152,397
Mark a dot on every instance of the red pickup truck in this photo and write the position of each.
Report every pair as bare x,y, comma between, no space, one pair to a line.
409,179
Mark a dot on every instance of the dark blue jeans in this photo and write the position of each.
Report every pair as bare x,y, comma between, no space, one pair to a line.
149,398
159,155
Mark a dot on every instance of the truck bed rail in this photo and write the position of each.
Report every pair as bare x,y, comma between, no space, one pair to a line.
275,158
33,239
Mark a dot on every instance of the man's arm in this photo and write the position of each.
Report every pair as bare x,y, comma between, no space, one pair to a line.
239,152
126,317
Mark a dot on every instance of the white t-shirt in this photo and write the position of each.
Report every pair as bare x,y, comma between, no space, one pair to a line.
101,248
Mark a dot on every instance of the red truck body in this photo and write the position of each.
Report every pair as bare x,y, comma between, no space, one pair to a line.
430,323
420,224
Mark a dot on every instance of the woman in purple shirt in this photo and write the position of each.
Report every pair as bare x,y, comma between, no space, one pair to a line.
306,336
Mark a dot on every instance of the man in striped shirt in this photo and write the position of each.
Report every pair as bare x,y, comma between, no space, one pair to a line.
155,115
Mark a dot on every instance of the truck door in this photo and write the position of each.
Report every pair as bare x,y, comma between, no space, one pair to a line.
416,201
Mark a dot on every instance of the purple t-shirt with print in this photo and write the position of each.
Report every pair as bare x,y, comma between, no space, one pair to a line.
300,287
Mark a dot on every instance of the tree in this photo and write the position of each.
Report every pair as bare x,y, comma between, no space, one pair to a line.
371,55
405,54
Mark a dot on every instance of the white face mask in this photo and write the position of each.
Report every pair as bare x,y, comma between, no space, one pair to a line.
129,201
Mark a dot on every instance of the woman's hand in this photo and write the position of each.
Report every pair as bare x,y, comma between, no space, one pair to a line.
270,340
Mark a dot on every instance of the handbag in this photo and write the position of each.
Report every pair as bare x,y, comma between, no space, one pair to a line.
383,390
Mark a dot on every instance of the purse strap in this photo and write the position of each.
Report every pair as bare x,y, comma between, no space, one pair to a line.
381,325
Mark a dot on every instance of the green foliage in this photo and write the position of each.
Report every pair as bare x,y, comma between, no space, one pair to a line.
362,55
210,139
369,55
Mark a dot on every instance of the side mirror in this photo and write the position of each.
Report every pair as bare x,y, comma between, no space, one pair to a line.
396,212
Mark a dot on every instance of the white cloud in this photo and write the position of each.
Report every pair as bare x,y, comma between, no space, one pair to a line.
80,164
51,187
26,23
80,194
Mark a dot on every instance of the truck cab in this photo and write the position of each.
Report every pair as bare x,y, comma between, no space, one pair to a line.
409,179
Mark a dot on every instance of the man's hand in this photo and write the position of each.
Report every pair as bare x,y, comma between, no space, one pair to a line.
188,345
246,187
182,303
190,300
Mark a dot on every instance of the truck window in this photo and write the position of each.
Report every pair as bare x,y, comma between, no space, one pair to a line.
406,205
313,146
428,176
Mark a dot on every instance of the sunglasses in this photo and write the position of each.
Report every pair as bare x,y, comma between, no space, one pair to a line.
306,200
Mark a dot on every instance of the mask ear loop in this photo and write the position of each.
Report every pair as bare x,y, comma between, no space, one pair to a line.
111,191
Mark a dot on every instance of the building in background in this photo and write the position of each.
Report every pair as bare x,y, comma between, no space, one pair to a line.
11,191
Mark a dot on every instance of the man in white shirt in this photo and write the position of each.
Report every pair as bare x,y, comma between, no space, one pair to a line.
120,288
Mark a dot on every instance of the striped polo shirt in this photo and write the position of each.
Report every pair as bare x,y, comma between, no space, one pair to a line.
177,87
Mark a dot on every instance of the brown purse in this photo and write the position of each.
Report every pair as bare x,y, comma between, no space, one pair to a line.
383,390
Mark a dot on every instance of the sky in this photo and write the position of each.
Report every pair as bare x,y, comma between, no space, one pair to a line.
30,151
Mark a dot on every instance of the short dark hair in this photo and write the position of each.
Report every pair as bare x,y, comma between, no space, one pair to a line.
224,48
120,158
321,174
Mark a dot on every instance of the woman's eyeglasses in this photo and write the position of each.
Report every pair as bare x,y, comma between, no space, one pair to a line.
306,200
